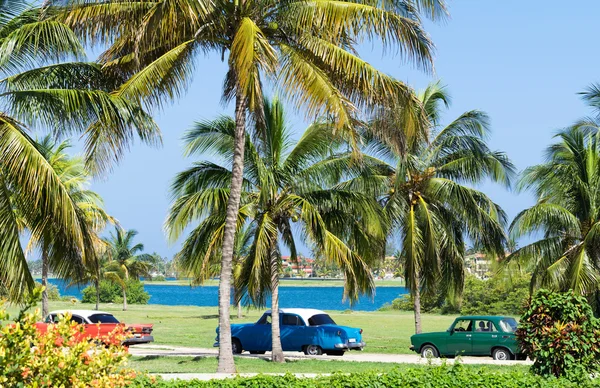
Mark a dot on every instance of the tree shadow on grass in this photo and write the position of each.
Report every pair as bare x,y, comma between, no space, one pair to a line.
211,316
157,357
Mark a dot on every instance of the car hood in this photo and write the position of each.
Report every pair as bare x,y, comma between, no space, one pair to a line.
238,326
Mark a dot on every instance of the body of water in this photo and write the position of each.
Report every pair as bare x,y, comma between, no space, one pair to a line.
322,298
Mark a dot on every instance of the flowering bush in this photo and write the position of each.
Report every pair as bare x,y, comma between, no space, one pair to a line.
560,333
58,357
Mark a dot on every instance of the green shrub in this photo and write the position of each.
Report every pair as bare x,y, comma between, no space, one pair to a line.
111,293
429,303
560,332
494,296
29,358
456,376
53,293
158,278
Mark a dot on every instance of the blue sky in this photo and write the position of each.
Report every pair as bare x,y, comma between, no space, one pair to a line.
522,62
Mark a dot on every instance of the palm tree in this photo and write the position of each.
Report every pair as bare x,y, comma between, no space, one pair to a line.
425,195
74,178
305,48
63,97
284,184
566,214
125,263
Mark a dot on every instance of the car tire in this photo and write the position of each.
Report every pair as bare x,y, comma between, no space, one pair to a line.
257,352
236,346
338,353
501,354
429,351
313,350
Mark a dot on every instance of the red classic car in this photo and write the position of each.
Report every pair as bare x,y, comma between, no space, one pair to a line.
99,325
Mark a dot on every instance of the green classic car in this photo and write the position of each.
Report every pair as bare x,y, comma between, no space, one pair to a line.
472,336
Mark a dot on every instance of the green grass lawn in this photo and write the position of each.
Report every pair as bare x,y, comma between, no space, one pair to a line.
384,331
156,364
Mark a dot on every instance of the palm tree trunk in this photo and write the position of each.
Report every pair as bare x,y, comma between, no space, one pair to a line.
239,310
124,299
97,284
97,294
45,267
226,363
417,304
276,350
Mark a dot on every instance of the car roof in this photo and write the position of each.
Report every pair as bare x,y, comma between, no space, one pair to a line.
81,313
489,317
305,314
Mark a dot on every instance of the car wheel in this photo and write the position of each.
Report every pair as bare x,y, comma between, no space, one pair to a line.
236,346
335,353
429,351
313,350
501,354
257,352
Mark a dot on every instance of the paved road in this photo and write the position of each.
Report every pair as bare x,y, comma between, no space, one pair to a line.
165,350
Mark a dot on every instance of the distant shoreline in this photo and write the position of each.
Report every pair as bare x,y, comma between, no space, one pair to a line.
284,282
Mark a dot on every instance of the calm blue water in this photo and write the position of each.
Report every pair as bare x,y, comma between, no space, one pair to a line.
323,298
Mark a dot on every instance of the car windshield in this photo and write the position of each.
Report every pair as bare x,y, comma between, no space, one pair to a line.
508,325
320,319
103,318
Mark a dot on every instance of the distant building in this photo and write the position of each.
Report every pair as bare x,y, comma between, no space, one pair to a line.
478,265
303,265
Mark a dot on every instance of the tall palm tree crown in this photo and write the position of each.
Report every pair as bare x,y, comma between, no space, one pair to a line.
285,188
304,47
566,214
426,196
125,260
75,179
38,88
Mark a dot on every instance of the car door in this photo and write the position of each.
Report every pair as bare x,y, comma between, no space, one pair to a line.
258,336
484,337
80,336
292,332
460,337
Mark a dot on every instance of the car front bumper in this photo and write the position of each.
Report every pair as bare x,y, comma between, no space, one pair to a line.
139,340
351,345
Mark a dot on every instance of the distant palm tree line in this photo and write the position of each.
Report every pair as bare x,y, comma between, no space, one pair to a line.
378,166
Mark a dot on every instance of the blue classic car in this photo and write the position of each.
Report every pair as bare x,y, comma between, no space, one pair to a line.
303,330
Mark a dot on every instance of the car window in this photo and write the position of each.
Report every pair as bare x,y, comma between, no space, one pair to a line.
77,319
320,319
508,325
485,326
264,320
290,320
52,318
103,318
463,325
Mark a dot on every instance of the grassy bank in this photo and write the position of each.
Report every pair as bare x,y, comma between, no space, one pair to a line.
286,282
155,364
384,331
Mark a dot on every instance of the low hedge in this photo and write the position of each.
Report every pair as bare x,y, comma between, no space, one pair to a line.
431,376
